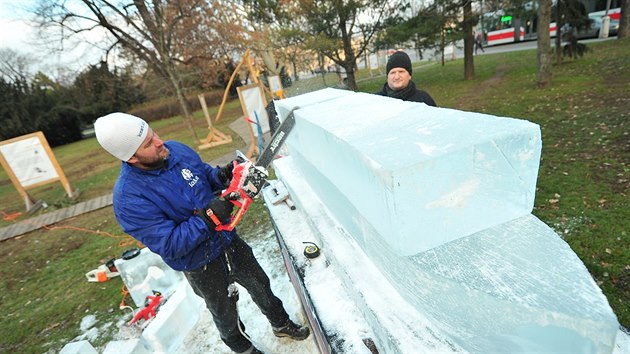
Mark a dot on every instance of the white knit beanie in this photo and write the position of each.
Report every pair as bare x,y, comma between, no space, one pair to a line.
120,134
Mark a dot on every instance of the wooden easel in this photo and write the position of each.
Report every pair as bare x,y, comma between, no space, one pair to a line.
215,136
21,156
253,149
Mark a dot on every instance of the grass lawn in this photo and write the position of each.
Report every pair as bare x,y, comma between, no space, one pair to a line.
582,188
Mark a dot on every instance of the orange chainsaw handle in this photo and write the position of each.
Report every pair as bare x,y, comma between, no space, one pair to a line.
242,209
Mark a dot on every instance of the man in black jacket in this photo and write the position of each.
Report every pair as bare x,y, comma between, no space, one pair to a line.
399,84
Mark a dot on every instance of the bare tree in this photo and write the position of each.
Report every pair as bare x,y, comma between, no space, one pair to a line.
544,44
342,30
14,65
152,30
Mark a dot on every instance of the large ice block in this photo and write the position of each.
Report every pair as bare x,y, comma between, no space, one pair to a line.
516,287
420,176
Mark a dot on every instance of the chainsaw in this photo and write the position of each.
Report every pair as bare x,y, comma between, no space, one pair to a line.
248,178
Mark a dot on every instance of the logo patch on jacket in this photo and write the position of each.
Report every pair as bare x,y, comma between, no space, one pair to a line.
190,177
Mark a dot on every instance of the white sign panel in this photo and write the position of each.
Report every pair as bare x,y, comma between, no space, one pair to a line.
29,161
274,83
254,107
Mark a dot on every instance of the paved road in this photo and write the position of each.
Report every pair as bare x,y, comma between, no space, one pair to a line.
512,47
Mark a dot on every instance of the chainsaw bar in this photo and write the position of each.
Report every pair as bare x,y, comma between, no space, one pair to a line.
277,140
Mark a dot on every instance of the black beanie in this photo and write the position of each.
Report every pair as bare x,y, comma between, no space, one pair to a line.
399,60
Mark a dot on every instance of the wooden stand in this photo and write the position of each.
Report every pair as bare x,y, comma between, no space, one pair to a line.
215,136
21,156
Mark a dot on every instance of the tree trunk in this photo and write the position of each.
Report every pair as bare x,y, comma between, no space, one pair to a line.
624,22
559,24
442,46
270,61
544,44
350,60
174,79
469,64
296,77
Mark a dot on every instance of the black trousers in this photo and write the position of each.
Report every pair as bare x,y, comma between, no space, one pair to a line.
211,281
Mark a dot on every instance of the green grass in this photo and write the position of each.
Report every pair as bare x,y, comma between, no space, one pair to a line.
582,190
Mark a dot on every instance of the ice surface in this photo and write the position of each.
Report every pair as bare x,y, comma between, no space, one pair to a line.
421,176
353,299
514,287
283,107
438,201
128,346
146,273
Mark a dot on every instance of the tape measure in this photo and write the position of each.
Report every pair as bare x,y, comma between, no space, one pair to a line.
311,251
130,253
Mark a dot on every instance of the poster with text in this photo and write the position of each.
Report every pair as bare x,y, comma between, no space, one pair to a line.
29,161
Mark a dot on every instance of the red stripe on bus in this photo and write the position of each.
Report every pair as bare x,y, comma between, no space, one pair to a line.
497,36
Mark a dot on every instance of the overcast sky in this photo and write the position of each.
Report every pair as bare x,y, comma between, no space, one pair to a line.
54,58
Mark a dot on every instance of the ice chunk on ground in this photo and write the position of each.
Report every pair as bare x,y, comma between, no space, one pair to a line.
127,346
87,322
80,347
174,320
421,176
147,273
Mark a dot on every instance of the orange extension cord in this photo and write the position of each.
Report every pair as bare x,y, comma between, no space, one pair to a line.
127,241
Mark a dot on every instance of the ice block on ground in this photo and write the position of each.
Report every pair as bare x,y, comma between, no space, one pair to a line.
146,273
420,176
174,320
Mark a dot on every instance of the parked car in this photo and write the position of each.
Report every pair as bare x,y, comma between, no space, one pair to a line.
593,30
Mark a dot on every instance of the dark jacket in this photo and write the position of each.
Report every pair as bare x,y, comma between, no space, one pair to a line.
156,208
409,93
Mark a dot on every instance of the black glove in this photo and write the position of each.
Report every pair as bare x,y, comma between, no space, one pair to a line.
225,174
220,208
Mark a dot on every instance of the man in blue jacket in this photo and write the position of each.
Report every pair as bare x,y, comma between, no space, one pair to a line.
163,197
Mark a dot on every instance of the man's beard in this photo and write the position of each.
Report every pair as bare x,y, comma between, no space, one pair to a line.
155,165
159,162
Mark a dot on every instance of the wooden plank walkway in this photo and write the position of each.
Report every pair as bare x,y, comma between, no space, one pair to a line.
53,217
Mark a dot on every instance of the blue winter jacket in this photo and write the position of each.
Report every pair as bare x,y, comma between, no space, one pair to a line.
157,208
